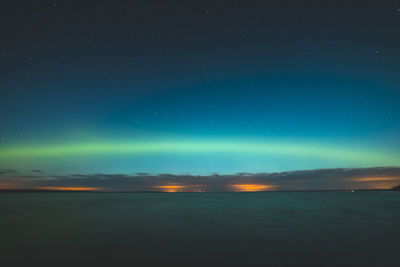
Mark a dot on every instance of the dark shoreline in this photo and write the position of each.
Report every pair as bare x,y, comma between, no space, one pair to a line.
142,192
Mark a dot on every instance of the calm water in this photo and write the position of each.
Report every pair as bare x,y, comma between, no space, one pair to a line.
206,229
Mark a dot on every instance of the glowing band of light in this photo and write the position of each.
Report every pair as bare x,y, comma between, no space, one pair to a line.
201,147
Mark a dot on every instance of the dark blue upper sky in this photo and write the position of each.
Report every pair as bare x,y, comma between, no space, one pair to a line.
317,71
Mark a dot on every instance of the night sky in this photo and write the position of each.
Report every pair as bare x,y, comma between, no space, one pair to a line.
188,88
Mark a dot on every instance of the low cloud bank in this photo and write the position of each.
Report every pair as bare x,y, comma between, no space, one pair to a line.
319,179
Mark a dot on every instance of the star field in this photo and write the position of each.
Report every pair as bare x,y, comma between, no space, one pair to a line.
312,84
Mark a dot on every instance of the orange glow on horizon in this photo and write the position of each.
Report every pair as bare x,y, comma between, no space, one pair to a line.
171,188
8,186
69,188
251,187
378,182
181,188
377,179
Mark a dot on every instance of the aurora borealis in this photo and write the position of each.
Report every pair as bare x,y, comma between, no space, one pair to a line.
198,150
213,88
248,159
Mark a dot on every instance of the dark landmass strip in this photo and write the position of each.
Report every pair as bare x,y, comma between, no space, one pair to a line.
396,188
72,191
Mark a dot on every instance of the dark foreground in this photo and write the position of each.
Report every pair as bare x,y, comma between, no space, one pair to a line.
200,229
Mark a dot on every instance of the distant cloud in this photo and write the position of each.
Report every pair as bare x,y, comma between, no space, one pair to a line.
7,171
320,179
143,174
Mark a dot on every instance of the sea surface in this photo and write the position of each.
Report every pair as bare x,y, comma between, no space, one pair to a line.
200,229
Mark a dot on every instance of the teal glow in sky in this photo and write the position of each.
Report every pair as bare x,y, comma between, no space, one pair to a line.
243,87
190,156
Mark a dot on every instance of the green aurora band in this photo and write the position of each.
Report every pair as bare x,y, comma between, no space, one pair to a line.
351,155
